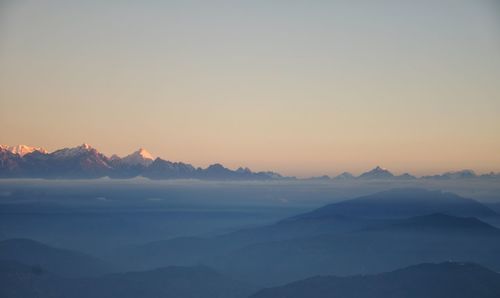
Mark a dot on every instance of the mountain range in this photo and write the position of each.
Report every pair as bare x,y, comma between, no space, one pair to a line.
86,162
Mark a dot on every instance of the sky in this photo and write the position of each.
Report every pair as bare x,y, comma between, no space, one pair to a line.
300,87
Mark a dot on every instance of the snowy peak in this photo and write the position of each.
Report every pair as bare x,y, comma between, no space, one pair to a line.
139,157
72,152
85,146
145,154
22,150
379,169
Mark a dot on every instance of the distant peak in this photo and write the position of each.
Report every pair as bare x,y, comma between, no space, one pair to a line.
243,170
144,153
376,173
22,150
139,157
216,166
85,146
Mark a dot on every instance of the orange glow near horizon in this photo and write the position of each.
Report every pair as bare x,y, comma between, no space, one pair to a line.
302,90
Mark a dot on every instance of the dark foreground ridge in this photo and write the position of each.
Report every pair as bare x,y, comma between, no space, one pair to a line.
444,280
18,280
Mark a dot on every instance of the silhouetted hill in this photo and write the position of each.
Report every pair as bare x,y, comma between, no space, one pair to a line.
439,223
60,261
403,202
193,250
21,281
330,240
463,174
389,244
445,280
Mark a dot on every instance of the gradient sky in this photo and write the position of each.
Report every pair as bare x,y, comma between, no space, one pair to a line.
300,87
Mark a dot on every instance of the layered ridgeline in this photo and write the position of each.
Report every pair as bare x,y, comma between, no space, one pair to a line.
32,269
371,234
18,280
59,261
443,280
349,244
86,162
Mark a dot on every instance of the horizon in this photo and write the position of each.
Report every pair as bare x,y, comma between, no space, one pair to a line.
299,88
335,172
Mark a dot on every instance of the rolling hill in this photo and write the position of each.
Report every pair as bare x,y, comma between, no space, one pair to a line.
444,280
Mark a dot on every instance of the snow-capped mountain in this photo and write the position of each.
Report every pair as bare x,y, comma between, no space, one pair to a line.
139,157
72,152
84,161
22,150
79,162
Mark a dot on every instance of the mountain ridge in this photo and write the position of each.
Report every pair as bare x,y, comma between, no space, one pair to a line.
429,280
85,161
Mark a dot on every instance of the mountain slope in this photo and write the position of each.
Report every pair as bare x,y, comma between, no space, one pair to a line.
139,157
445,280
440,223
377,173
404,202
334,242
10,163
389,244
60,261
22,150
463,174
20,281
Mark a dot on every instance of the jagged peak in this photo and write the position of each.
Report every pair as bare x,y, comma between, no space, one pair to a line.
78,150
139,157
144,153
243,170
377,172
22,150
85,146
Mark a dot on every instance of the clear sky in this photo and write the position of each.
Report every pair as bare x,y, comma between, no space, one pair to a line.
300,87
